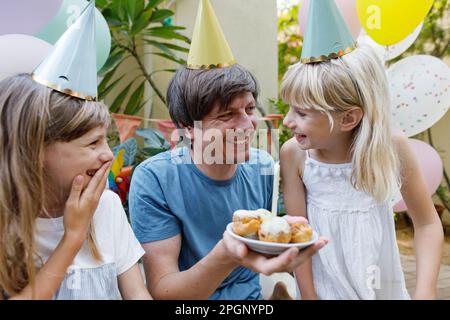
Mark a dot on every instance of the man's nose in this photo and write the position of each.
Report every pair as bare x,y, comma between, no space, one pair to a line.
246,122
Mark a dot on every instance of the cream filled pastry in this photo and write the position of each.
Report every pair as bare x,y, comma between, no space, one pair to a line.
301,232
246,222
275,229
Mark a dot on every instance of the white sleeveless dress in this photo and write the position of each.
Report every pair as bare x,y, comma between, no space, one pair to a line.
361,261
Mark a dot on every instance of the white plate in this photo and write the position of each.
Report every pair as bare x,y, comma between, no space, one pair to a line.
270,247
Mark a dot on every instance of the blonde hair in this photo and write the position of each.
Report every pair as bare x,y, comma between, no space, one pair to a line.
31,117
356,79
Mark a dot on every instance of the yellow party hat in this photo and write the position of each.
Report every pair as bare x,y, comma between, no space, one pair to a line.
209,48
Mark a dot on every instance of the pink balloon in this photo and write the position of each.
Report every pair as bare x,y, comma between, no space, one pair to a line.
347,9
431,166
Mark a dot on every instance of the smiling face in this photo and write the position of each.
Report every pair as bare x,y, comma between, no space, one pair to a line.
63,161
312,128
232,128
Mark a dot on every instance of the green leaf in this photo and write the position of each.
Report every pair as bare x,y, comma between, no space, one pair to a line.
172,58
138,107
153,139
173,28
141,22
154,3
165,46
161,15
166,33
131,9
130,147
105,80
111,17
119,7
113,61
101,3
115,106
135,99
102,94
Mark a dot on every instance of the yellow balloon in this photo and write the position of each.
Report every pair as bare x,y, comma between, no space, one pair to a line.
390,21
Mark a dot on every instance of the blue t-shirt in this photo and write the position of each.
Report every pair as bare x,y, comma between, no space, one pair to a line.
169,195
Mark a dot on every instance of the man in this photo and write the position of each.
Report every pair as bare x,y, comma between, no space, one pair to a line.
182,201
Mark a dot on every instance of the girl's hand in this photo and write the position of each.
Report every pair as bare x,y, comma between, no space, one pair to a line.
81,204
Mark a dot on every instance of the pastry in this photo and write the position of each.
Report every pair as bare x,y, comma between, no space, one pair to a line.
247,222
301,232
275,229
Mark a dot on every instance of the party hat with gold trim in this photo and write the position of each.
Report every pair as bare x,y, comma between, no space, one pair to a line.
209,48
71,66
327,35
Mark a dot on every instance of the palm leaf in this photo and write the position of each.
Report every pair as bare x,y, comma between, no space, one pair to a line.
135,99
115,106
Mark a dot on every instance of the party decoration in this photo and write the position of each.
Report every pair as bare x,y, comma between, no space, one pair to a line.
119,177
327,36
169,131
390,21
347,9
71,67
115,169
69,12
209,47
15,57
126,125
390,52
431,167
26,16
420,92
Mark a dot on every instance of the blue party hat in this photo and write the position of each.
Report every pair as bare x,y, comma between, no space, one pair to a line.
327,35
71,66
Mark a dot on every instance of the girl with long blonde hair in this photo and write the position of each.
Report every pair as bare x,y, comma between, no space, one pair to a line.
63,236
341,168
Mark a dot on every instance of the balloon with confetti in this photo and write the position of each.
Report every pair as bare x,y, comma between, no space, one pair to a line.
420,92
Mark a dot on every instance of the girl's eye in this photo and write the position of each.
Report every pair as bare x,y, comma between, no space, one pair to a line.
301,114
94,143
251,109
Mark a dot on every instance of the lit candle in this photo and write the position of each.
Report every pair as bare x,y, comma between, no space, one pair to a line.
276,185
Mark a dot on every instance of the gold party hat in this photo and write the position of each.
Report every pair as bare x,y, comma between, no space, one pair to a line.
209,48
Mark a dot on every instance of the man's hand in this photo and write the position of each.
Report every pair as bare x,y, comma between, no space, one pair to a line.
288,261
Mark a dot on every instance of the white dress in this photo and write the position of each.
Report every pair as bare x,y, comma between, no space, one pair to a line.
361,260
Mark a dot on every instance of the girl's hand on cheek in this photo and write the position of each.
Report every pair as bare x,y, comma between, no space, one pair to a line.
81,204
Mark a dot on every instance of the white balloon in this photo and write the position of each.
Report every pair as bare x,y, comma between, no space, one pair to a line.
420,92
397,49
20,53
390,52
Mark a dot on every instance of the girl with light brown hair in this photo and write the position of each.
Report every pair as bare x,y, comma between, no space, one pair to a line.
54,210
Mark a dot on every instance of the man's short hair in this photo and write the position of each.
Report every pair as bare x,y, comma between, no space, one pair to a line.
192,94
